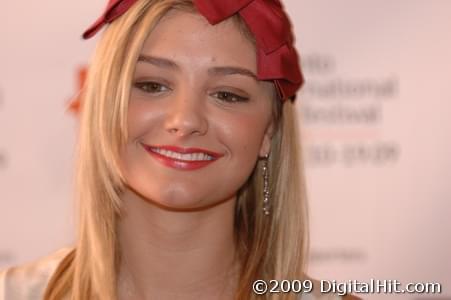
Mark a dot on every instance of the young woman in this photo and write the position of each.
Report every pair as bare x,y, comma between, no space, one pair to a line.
190,181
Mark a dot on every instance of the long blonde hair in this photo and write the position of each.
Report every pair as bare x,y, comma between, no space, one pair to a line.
270,247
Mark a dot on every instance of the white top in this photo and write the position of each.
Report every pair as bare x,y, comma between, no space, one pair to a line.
28,282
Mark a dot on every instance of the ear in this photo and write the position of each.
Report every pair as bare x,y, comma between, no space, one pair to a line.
265,147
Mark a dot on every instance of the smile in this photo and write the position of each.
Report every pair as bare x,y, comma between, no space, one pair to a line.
182,158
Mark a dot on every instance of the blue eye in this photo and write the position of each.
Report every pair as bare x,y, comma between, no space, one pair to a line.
230,97
151,87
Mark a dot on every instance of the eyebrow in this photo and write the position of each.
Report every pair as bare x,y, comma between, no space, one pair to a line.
166,63
232,71
158,61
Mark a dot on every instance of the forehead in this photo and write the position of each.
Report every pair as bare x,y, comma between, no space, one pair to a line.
187,36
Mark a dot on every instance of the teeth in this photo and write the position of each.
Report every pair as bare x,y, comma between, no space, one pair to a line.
182,156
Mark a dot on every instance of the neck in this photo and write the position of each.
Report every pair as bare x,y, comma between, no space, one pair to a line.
171,255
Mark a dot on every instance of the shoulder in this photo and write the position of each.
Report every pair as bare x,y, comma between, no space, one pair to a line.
28,281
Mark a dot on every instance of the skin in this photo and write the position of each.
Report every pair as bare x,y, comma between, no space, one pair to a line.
176,233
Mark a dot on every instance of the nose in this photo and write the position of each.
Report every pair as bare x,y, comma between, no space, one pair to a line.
186,116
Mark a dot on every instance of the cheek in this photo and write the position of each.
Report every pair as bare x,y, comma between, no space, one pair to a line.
139,119
243,136
141,124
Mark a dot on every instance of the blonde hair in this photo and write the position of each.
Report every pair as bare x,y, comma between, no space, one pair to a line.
270,247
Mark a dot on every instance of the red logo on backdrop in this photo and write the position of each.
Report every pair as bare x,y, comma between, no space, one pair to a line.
75,102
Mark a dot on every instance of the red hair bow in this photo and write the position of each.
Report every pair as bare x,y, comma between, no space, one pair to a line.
277,59
114,9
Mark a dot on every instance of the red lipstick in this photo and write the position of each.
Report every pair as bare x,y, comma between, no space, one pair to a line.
178,158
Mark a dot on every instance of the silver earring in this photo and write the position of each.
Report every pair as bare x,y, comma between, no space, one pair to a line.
266,204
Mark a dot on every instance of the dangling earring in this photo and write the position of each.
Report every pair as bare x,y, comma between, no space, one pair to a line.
266,204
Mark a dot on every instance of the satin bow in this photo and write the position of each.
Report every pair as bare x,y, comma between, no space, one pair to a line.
114,9
277,59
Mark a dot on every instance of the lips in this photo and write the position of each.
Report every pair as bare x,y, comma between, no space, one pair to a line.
182,158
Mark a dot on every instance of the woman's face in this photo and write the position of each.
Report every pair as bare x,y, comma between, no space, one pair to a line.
197,119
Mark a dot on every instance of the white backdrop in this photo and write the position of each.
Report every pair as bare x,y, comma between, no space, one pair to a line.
376,127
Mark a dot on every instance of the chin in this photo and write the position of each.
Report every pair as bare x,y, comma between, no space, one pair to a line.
174,200
178,199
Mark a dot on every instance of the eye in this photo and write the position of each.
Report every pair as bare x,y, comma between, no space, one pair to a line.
151,87
230,97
